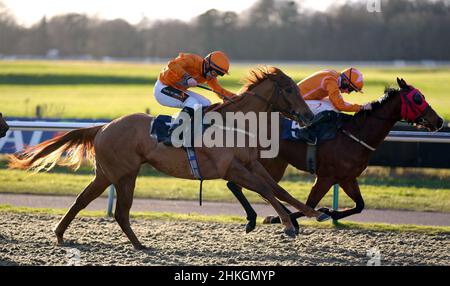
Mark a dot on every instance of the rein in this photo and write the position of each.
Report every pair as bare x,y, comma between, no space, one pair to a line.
362,142
273,100
410,113
358,140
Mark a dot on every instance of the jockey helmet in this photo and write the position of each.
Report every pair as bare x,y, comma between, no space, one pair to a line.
218,61
352,80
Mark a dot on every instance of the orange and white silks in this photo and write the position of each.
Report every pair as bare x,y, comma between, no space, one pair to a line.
188,64
324,84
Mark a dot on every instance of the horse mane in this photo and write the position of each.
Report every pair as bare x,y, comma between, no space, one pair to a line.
259,74
253,78
389,94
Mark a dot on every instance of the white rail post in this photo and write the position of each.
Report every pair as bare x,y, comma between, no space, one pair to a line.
111,194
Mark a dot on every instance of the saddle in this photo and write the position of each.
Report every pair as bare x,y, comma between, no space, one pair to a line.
160,130
327,125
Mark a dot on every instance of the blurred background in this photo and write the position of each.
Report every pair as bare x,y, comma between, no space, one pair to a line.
269,30
98,60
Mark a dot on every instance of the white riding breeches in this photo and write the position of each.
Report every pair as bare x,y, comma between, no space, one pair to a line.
172,97
318,106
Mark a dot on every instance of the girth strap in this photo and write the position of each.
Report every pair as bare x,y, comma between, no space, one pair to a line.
195,168
311,158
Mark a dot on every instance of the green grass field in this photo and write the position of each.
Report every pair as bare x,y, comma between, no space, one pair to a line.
110,90
380,189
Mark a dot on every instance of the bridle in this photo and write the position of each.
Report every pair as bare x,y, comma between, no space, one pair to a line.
274,99
413,109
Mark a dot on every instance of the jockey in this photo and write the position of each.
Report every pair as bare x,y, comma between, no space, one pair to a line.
185,71
329,83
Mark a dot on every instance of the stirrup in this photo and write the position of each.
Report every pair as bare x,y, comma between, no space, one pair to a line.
167,141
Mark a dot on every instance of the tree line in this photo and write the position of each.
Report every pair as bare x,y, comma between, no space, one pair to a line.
269,30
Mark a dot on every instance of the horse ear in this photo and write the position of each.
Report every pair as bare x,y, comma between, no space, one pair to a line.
402,83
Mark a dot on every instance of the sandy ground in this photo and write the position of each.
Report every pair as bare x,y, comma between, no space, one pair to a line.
222,208
27,239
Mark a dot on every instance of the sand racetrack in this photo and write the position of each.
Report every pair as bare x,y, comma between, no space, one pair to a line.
27,239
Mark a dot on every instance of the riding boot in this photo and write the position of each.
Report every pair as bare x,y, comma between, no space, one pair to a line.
176,123
306,133
319,118
306,136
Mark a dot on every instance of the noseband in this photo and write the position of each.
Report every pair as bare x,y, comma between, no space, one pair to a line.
274,99
414,106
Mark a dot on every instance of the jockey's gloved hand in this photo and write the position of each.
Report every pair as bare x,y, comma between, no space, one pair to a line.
188,81
367,106
191,82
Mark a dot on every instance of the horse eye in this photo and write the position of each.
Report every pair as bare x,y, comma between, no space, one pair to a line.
417,98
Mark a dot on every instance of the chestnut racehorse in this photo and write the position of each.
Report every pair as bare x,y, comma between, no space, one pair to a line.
122,146
343,159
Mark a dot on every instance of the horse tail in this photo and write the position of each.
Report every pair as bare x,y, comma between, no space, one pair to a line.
77,143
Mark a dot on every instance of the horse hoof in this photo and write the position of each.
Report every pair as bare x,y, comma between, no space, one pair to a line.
323,217
325,211
297,231
59,239
290,232
250,226
268,219
140,247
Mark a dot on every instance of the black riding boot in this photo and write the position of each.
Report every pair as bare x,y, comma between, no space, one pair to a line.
319,118
176,123
307,133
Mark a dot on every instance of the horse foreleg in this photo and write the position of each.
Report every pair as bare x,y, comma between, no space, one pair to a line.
318,191
250,212
351,188
92,191
125,191
283,195
246,178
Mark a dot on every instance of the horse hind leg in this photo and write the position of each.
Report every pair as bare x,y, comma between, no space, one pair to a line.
91,192
125,191
318,191
351,188
250,212
242,176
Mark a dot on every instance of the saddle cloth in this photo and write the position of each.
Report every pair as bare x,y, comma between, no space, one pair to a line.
326,130
160,130
160,127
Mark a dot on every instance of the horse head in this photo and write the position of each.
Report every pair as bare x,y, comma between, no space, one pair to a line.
416,110
407,103
281,94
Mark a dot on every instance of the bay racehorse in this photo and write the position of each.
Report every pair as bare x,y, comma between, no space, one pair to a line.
3,126
343,159
122,146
